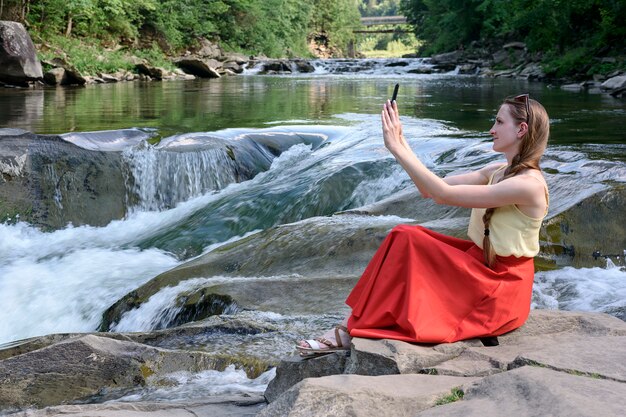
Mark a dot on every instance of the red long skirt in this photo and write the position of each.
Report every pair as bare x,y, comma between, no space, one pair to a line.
423,286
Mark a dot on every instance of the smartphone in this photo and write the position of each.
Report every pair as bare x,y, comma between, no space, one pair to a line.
395,93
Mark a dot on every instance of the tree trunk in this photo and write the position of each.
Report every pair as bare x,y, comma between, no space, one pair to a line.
68,30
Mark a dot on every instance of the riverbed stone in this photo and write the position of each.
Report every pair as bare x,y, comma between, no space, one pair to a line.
614,83
357,395
534,391
18,58
82,366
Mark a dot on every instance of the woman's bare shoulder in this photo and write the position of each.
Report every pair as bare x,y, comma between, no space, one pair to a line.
488,170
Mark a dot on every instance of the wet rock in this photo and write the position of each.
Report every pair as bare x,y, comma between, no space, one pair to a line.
330,253
56,76
224,405
355,395
276,66
81,367
107,78
422,70
73,76
18,57
468,69
572,87
530,391
202,68
156,73
448,58
597,223
50,182
295,369
235,57
303,66
614,83
234,67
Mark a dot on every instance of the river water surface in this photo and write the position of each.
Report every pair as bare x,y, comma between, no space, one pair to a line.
62,281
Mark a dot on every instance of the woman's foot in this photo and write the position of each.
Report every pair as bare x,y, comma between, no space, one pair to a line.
331,341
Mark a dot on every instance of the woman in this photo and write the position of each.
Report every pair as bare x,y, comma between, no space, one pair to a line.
422,286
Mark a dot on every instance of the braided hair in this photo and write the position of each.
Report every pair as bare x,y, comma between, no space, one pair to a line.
531,148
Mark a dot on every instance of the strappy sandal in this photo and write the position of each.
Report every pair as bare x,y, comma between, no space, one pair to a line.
317,345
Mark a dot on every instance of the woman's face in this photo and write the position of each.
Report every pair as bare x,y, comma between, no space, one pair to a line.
506,132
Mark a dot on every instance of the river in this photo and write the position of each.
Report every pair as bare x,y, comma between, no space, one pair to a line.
62,281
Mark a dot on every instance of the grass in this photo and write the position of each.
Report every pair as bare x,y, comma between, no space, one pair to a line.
455,395
91,57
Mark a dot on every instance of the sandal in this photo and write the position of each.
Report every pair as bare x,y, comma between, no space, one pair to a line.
317,345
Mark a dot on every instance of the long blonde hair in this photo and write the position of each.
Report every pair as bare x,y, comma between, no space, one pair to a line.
531,149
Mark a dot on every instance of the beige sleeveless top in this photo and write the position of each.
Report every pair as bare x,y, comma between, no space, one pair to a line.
511,232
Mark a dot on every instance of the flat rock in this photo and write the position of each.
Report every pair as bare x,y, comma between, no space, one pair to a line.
226,406
582,343
533,391
385,357
356,395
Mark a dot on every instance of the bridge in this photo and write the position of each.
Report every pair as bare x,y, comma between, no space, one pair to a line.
382,20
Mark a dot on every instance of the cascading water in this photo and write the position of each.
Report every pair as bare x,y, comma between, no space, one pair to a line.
162,178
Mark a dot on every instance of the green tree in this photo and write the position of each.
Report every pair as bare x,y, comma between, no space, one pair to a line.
335,19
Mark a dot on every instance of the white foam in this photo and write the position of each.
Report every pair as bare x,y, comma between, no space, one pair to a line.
585,289
186,386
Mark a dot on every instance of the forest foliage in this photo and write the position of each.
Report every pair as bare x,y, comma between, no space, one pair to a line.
568,34
271,27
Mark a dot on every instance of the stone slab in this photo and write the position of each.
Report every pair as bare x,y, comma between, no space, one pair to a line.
534,391
357,395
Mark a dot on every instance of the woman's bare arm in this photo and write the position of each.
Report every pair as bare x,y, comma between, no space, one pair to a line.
457,191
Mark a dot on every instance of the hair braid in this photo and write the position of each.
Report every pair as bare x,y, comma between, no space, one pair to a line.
531,148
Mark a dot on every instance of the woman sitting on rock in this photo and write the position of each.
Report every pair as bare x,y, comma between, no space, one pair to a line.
426,287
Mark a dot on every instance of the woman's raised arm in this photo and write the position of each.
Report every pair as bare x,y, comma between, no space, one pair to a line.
466,190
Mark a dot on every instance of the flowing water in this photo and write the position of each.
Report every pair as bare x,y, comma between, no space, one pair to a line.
192,198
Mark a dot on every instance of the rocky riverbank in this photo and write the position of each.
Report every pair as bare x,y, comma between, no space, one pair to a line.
558,363
208,60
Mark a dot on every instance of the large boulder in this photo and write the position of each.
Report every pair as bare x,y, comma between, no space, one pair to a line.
50,182
203,68
18,58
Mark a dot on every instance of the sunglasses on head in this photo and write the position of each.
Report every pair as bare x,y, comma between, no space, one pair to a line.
524,98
